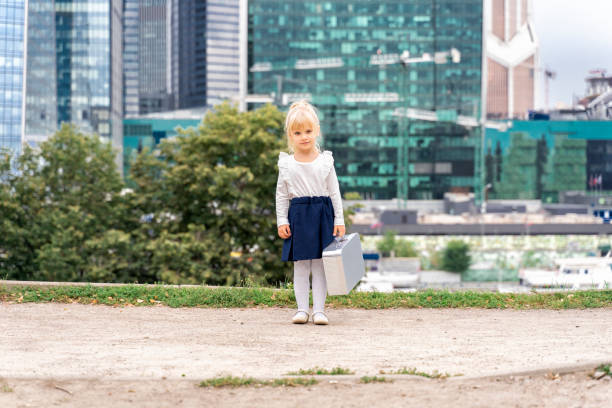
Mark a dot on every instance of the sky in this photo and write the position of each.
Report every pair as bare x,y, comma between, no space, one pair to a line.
575,36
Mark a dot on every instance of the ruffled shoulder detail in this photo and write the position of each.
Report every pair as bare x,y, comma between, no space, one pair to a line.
328,162
283,166
327,155
283,160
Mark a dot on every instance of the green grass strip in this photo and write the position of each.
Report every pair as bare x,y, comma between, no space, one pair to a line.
414,371
249,297
322,371
606,369
374,379
234,382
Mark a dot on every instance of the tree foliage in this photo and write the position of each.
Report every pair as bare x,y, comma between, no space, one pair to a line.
405,249
387,243
399,247
456,256
201,209
211,194
59,197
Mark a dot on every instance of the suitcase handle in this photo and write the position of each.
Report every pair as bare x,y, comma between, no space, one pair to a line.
339,240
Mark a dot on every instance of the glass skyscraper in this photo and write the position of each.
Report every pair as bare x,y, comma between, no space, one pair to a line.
12,62
179,54
189,53
89,67
346,57
41,87
131,27
222,50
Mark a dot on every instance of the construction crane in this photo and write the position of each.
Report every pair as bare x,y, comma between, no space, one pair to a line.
548,75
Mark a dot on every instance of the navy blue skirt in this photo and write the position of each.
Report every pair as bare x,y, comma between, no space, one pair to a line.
311,220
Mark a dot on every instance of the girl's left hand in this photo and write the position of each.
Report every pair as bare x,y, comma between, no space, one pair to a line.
339,230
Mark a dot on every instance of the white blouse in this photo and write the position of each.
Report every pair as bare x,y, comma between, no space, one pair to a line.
307,179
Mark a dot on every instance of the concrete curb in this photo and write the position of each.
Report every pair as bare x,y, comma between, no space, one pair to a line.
352,378
563,369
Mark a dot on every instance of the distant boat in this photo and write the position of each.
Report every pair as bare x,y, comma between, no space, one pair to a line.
389,280
573,273
388,274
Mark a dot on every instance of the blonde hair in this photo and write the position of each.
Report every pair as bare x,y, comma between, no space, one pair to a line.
302,114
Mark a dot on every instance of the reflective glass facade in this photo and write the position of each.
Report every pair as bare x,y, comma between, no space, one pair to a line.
334,53
12,59
41,93
179,54
147,132
153,49
189,53
89,66
131,26
222,31
541,159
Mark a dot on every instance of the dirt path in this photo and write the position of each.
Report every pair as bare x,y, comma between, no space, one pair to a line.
92,351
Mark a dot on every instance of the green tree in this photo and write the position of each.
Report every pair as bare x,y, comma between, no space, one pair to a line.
387,243
210,193
405,248
456,256
352,195
61,196
351,209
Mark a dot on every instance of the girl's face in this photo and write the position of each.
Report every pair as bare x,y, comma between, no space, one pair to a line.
303,138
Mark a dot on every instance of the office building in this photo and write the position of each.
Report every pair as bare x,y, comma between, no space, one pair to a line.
598,99
179,54
147,131
511,57
41,86
372,69
13,18
89,67
541,159
74,68
222,50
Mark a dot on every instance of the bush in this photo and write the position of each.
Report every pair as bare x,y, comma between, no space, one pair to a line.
405,248
456,257
387,243
399,247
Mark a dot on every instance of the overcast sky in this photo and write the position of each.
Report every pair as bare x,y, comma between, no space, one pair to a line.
575,36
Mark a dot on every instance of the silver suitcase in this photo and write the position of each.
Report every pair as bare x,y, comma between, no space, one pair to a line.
343,264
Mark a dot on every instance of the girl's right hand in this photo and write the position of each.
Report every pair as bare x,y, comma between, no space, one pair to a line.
284,231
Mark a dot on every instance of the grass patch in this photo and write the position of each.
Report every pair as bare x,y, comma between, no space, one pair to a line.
132,295
322,371
367,380
605,368
414,371
234,382
6,388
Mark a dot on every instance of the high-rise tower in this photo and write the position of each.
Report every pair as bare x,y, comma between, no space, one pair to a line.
511,58
13,20
179,54
41,72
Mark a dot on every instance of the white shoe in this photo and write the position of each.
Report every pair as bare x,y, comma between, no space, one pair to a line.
300,317
320,318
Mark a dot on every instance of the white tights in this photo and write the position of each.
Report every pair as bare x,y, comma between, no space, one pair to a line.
301,284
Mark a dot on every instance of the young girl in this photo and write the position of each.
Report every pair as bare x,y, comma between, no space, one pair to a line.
308,209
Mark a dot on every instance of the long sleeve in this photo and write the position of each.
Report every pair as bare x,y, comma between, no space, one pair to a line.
334,194
282,202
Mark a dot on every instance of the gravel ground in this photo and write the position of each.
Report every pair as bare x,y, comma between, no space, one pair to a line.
75,355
